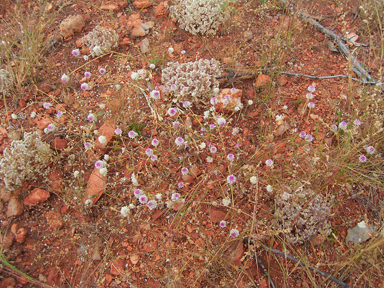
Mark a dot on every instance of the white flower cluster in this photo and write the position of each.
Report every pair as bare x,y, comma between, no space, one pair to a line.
5,81
310,221
198,16
101,39
192,79
23,159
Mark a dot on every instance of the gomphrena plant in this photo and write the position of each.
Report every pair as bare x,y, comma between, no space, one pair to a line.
192,79
199,16
302,220
101,39
6,81
23,159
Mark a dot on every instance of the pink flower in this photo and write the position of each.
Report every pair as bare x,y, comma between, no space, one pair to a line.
231,157
180,185
91,117
118,131
102,71
153,158
302,134
64,78
362,159
231,179
84,86
311,88
223,224
269,163
137,193
234,233
155,142
184,171
371,150
149,152
132,134
143,199
172,111
152,204
87,74
179,141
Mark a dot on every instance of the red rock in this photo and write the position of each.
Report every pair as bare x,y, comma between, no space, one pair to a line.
110,7
21,235
5,194
108,278
15,207
217,215
55,180
125,42
107,130
14,228
58,143
262,80
150,246
95,187
162,9
36,196
71,25
53,276
117,267
22,103
237,254
142,4
42,123
8,282
138,31
79,43
188,178
7,241
133,21
196,171
282,80
123,4
23,280
54,219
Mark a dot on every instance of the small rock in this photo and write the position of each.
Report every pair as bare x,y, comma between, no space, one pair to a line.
138,31
1,206
360,233
14,228
96,255
42,278
22,103
133,21
54,219
282,80
71,25
108,278
55,180
142,4
42,123
107,130
7,241
95,187
144,46
162,9
125,42
79,43
134,259
117,267
8,282
217,215
248,35
23,280
150,247
21,235
58,143
237,254
15,207
110,7
195,171
188,178
5,194
262,80
49,7
53,276
36,196
282,129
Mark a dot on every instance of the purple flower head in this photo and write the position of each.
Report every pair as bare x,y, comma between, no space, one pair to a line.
357,122
362,159
311,88
75,52
51,127
173,86
185,89
303,134
179,141
176,124
311,105
87,145
334,128
175,196
231,179
118,131
154,94
132,134
172,112
99,164
343,125
102,70
213,149
212,126
87,74
269,163
309,95
152,204
153,158
227,96
46,105
202,129
149,152
91,117
371,150
180,185
143,199
84,86
223,224
233,90
221,121
137,193
234,233
308,138
184,171
155,142
64,78
213,100
59,114
231,157
187,104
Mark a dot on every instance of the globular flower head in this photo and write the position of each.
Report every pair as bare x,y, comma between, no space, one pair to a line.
154,94
371,150
226,202
124,211
51,127
213,100
132,134
143,199
46,105
152,204
362,159
102,139
269,188
138,192
303,134
311,105
149,152
187,104
87,145
309,95
176,124
179,141
155,142
91,117
231,157
99,164
102,71
311,88
118,131
234,233
184,171
152,66
172,112
170,50
134,75
59,114
253,180
180,185
221,121
231,179
75,52
334,128
343,125
103,171
84,86
357,122
153,158
209,159
223,224
269,163
175,196
212,126
87,74
64,78
308,138
233,90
